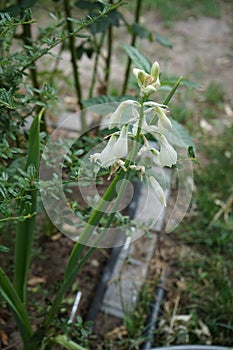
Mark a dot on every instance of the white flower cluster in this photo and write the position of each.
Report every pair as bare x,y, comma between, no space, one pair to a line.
145,118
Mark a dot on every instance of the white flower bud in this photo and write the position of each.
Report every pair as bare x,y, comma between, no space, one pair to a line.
148,90
148,83
155,70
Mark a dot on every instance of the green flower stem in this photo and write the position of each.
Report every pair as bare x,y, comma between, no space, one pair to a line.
94,221
75,262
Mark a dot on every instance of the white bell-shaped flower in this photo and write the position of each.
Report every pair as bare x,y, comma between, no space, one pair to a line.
116,116
159,192
120,148
107,156
168,155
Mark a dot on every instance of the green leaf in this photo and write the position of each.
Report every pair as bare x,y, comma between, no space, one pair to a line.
163,41
191,155
13,10
25,229
27,3
170,81
68,344
9,294
179,136
4,249
191,152
87,5
172,92
138,58
141,31
105,99
112,19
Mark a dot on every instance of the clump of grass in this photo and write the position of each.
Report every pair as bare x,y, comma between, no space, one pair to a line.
207,271
214,93
181,9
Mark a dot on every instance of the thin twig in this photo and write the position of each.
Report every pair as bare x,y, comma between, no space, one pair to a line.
74,63
133,42
94,72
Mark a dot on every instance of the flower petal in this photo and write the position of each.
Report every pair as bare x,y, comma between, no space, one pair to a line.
158,190
168,155
120,149
106,156
163,120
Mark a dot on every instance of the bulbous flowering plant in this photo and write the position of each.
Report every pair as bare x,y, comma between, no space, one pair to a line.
142,119
137,129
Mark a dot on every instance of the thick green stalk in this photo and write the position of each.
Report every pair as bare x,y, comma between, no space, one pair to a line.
76,262
133,42
25,229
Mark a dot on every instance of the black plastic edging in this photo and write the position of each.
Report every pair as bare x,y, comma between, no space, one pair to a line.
108,269
154,311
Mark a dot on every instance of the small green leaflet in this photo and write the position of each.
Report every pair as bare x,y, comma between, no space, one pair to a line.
138,58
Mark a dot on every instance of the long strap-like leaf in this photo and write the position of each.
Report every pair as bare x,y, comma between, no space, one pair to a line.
9,294
25,229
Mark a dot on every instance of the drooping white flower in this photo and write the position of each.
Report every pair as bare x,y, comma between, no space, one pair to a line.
106,157
120,148
148,83
164,123
167,154
116,116
153,151
159,192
